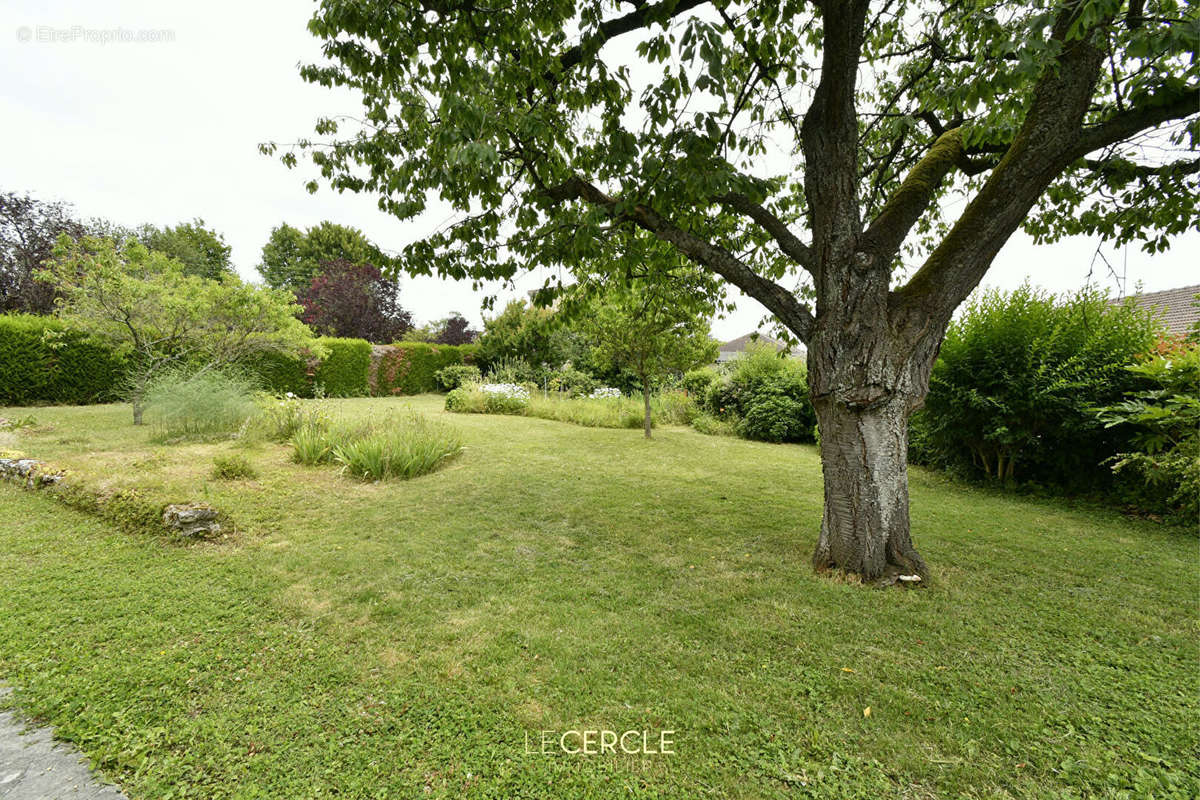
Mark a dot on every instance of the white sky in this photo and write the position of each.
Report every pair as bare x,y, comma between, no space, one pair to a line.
165,131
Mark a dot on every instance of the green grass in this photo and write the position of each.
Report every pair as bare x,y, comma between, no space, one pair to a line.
666,408
401,639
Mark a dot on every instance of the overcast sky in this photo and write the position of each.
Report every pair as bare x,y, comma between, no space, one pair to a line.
165,130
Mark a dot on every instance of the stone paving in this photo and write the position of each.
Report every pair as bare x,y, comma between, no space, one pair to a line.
35,767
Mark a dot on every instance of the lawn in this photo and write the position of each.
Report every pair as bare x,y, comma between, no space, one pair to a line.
412,638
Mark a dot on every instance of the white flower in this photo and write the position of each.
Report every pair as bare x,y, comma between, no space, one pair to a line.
606,391
510,390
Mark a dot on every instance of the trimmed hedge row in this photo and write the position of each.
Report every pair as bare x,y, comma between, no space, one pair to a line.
44,361
411,367
343,373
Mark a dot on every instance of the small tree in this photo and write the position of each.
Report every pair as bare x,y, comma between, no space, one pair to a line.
158,317
651,331
355,300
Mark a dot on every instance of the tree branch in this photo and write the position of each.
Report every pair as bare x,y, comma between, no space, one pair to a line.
1123,167
902,210
640,17
788,242
1044,146
779,301
1141,117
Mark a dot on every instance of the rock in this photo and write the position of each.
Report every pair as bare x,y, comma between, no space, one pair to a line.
192,520
32,473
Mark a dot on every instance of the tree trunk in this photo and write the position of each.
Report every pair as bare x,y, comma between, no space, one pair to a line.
646,400
866,377
864,459
138,408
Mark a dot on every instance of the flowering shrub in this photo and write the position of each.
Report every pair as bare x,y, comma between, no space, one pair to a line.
511,390
489,398
605,391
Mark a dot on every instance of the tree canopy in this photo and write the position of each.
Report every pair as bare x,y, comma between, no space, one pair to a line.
546,123
291,258
854,166
157,316
29,229
355,300
201,250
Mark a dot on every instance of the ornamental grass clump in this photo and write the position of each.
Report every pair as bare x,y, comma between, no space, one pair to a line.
394,446
403,449
199,405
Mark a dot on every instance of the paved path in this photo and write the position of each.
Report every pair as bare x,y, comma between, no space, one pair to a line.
35,767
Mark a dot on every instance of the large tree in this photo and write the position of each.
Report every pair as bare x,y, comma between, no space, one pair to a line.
29,229
291,258
354,300
201,250
870,156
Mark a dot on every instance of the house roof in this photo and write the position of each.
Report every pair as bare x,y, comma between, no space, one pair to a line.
1175,306
740,343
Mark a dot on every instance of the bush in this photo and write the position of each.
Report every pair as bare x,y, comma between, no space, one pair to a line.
489,398
1164,419
391,447
400,448
232,468
280,417
280,373
673,407
43,360
512,370
775,418
762,382
1012,396
411,367
343,372
571,382
456,375
713,426
697,382
197,405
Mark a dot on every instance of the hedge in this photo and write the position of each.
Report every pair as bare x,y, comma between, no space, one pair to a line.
280,373
343,373
410,367
44,361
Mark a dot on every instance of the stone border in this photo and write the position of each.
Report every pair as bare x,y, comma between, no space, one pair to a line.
128,508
